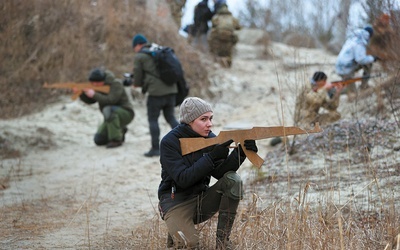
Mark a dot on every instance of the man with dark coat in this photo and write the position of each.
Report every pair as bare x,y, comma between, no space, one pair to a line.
202,15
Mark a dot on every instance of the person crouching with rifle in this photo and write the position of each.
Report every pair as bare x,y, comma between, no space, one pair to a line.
115,106
320,94
185,195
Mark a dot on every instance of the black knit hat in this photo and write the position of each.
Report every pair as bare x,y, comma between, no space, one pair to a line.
318,76
138,39
97,75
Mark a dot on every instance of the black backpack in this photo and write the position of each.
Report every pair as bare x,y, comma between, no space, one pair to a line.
169,69
167,63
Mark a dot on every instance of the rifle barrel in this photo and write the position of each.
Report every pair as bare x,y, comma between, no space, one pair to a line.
80,86
352,80
189,145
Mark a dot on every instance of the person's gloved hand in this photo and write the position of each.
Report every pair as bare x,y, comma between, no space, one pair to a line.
220,151
376,58
249,145
127,82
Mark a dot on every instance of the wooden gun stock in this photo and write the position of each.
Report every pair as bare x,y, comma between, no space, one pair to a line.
80,86
353,80
189,145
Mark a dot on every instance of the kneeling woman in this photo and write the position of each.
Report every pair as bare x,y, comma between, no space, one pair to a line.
185,197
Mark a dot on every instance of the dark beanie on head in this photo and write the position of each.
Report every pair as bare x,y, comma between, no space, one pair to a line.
97,75
370,30
318,76
138,39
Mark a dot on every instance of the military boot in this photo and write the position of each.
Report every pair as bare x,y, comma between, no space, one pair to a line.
224,227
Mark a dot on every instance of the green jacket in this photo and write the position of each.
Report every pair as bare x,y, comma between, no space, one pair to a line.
116,97
146,75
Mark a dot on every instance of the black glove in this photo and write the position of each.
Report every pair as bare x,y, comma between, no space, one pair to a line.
376,58
249,145
220,151
331,92
127,82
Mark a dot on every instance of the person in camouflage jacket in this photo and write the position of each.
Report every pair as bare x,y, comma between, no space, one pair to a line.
320,94
222,37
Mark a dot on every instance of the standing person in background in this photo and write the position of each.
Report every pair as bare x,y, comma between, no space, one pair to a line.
202,14
115,107
353,57
313,98
320,94
222,38
217,5
161,97
185,197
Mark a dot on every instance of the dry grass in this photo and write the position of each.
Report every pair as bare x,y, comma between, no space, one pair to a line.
295,210
56,41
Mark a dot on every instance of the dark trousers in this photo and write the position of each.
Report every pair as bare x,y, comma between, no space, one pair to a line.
156,104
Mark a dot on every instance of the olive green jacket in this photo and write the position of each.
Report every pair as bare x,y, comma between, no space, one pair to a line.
116,97
146,75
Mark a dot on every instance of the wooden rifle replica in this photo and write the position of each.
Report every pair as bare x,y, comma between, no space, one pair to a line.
79,86
353,80
189,145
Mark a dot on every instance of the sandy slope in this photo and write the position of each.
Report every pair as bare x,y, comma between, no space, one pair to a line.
64,187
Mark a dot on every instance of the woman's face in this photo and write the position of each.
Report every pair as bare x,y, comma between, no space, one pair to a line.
202,124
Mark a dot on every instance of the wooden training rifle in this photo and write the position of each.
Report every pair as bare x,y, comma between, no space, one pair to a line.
189,145
353,80
80,86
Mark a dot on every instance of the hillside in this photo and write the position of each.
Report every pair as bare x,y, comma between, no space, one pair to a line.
339,190
61,191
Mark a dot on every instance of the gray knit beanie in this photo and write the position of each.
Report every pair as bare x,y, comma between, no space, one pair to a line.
192,108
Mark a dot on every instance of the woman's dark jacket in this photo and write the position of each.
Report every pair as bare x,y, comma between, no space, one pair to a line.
190,174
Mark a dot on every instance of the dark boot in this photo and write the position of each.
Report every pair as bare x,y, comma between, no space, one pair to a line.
152,152
114,144
124,130
224,227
